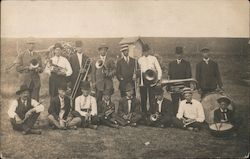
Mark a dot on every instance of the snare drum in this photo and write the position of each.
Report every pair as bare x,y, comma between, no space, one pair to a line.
221,129
209,103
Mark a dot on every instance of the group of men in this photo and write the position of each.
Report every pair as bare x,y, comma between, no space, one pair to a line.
93,104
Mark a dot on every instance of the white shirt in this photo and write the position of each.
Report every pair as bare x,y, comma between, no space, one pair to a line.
191,111
103,57
159,102
178,61
79,56
89,102
14,104
62,62
150,62
126,58
206,60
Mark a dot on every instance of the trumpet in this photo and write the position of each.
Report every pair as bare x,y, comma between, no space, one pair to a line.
99,64
154,117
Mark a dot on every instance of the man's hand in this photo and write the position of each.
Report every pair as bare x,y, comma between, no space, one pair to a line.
125,117
18,119
29,113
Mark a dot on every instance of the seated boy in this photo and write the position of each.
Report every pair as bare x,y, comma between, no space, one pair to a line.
24,111
161,113
190,113
59,111
86,108
129,108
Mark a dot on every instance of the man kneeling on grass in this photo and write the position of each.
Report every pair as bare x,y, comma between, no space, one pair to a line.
86,108
190,113
161,113
24,112
129,108
59,111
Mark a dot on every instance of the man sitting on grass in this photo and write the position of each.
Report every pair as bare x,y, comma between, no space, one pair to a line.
24,111
59,111
190,113
129,108
161,113
86,108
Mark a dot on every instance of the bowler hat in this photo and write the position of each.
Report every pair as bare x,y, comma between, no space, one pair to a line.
85,85
58,45
22,89
204,50
78,43
186,90
158,90
178,50
103,45
225,99
62,86
145,48
129,87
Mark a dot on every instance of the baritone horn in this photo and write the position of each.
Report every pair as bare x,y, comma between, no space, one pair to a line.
99,64
150,77
154,117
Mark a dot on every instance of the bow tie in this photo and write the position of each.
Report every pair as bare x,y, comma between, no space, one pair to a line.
189,103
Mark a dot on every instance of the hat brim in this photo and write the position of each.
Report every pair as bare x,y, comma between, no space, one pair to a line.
123,49
224,98
20,91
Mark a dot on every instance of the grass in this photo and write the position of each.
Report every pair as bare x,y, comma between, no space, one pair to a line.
125,142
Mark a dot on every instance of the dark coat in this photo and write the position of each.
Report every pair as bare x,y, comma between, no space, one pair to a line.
123,106
208,75
55,107
179,71
29,77
126,71
166,108
218,115
102,107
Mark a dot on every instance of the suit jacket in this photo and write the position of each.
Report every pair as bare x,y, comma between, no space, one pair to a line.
55,107
98,78
179,71
218,115
126,71
75,65
208,75
166,108
123,106
29,77
103,107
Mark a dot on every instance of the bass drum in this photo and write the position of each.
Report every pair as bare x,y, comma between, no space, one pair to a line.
221,129
209,103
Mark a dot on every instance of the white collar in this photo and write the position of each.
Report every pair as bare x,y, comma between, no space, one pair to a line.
159,101
223,111
103,57
206,60
178,60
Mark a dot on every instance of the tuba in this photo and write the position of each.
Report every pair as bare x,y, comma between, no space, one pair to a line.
176,86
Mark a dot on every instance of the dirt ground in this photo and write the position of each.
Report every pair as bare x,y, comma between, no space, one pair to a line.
126,142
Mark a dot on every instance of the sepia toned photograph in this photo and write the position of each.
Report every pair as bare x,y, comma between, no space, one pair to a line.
105,79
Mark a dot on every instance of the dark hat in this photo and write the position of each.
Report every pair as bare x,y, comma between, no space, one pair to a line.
34,63
178,50
129,87
145,48
58,45
22,89
225,99
186,90
205,50
107,92
62,87
103,45
78,43
158,90
85,85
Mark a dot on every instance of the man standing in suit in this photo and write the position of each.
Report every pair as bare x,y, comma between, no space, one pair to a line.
148,62
77,61
59,111
178,69
29,65
129,108
162,110
125,70
208,74
102,76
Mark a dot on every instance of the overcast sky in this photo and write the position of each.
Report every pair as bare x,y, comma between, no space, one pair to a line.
181,18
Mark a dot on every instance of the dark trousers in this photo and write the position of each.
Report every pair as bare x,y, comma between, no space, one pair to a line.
99,95
179,124
84,123
163,120
34,91
27,124
204,92
146,91
176,97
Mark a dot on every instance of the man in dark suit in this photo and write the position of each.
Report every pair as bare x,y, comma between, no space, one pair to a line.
125,70
59,111
29,65
77,61
102,76
161,113
129,108
178,69
208,74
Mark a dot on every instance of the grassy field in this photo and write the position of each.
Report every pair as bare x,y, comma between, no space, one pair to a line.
126,142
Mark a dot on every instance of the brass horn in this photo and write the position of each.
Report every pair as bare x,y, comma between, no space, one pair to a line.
151,77
99,63
154,117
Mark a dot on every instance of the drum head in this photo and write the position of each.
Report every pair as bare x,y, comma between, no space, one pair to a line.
221,126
